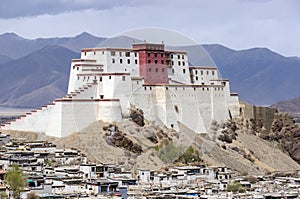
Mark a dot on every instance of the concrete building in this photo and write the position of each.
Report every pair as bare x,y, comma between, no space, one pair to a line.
105,83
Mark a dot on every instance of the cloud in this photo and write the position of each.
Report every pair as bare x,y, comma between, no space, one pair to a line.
30,8
237,24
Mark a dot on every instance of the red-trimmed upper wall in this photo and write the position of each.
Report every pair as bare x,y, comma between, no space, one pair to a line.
152,61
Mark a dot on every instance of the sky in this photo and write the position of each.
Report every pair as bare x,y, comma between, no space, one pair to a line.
237,24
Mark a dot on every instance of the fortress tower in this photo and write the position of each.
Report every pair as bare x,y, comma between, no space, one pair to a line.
105,82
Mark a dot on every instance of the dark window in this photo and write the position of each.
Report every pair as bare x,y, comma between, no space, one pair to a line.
207,72
84,53
196,78
78,77
172,63
135,54
121,61
113,60
178,63
109,77
196,72
100,79
182,56
120,53
155,54
213,72
163,70
149,61
171,56
148,54
178,56
183,70
183,63
176,109
127,54
162,61
123,78
162,55
156,70
128,61
201,72
135,61
155,61
94,52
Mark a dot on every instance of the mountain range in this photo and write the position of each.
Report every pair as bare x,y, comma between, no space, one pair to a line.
34,72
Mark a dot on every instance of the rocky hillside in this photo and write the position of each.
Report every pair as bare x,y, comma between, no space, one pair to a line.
289,106
243,144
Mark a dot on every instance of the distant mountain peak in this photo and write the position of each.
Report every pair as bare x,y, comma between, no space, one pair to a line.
84,34
10,35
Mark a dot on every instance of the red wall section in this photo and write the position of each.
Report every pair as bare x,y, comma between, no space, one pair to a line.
153,65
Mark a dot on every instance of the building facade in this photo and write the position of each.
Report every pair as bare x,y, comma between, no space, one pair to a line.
106,83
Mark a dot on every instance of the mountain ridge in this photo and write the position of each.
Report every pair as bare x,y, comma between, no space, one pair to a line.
255,73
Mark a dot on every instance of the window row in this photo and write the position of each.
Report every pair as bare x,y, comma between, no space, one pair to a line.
207,72
127,54
155,54
94,52
100,78
156,70
179,63
113,60
178,56
155,61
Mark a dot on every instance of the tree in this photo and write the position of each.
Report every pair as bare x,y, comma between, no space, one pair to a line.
235,187
16,180
32,195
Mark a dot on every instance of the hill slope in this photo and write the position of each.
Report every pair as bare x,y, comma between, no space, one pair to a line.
260,76
37,78
290,106
248,153
15,47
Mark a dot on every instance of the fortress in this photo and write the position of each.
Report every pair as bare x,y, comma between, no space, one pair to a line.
106,83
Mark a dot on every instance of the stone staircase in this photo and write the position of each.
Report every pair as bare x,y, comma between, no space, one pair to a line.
38,120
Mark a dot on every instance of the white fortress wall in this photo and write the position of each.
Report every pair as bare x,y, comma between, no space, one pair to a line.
109,110
234,105
193,106
77,114
232,100
35,121
219,105
118,86
55,119
184,104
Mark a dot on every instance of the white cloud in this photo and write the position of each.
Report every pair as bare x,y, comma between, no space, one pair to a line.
235,23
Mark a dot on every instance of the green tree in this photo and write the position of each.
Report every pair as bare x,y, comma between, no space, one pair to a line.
235,187
16,180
